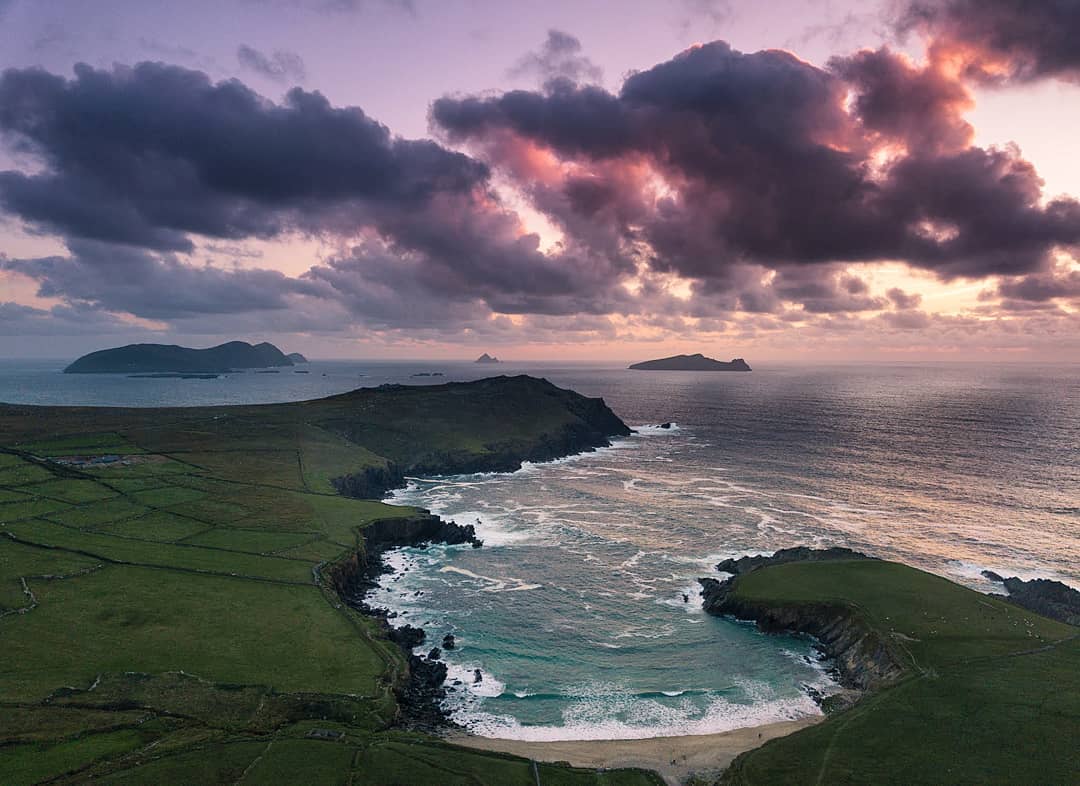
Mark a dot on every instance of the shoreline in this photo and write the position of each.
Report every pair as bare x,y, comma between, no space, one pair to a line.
674,758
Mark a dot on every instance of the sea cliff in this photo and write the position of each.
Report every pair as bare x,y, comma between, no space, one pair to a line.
421,692
864,660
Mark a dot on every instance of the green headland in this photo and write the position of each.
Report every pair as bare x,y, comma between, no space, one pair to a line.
167,604
171,609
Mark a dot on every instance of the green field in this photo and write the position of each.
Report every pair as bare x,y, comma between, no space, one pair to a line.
991,692
165,615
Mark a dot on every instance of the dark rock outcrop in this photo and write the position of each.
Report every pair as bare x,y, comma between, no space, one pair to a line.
1043,596
695,362
486,358
863,659
420,697
371,482
407,637
449,642
796,554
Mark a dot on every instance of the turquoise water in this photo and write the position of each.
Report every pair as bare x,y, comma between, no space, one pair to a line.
574,608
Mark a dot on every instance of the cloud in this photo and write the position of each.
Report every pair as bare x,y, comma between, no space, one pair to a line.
1000,40
902,300
718,190
1039,287
559,57
149,154
62,320
280,66
758,159
151,286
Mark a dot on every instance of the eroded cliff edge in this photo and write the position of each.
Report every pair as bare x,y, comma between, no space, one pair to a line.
421,693
863,659
491,425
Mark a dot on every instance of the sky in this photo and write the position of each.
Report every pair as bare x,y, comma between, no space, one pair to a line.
791,181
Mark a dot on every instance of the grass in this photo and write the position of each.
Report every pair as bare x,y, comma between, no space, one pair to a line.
179,632
992,693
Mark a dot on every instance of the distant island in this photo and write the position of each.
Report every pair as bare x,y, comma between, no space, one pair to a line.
170,358
696,362
296,357
486,358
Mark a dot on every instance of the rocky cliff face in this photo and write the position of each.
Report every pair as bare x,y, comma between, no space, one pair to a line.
420,696
863,659
592,427
1050,598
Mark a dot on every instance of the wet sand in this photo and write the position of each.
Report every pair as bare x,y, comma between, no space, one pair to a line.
705,754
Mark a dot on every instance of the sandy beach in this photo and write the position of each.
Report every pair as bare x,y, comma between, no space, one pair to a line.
705,754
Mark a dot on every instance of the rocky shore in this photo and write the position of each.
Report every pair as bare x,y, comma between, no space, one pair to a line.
862,658
420,696
1050,598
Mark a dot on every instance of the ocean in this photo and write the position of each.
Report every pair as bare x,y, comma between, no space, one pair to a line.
581,611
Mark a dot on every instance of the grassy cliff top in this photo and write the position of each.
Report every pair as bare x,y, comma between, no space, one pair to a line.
163,615
992,693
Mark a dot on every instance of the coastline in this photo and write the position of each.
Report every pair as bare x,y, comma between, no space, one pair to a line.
704,754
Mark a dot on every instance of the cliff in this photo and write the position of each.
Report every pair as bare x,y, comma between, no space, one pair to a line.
491,425
696,362
864,659
421,694
151,358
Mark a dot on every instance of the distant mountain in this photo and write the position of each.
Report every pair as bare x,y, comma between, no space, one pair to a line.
152,358
697,362
296,357
486,358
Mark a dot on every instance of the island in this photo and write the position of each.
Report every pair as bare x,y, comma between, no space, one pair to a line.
486,358
170,358
695,362
296,357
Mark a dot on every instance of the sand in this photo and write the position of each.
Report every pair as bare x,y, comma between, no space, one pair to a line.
704,754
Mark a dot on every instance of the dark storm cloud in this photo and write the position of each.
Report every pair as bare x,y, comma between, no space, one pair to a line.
280,65
1002,40
123,279
1041,287
62,320
769,167
920,107
559,56
148,154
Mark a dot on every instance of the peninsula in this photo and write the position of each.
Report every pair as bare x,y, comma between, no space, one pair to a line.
925,664
170,358
696,362
179,587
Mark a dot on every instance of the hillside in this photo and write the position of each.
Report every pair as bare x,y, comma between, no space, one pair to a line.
964,687
169,580
165,358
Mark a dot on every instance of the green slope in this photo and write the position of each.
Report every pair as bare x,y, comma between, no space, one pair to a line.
991,692
163,617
